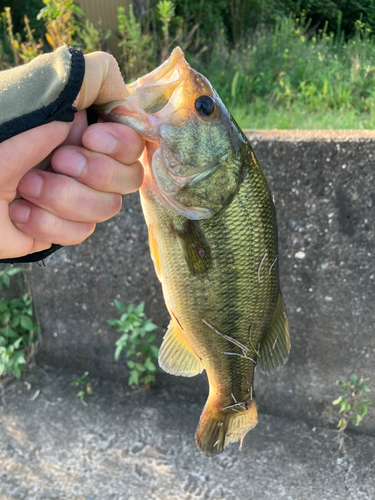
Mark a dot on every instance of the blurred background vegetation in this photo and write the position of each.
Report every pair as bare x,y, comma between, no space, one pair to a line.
276,64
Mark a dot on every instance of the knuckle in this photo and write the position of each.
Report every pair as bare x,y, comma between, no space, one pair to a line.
62,191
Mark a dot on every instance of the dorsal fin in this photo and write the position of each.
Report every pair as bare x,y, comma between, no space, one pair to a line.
275,348
175,356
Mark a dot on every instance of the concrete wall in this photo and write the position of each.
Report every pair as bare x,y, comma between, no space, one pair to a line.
323,185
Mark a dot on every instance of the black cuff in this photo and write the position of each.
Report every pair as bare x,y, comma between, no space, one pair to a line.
59,110
33,257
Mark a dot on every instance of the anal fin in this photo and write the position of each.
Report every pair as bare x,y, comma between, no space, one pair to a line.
175,356
275,348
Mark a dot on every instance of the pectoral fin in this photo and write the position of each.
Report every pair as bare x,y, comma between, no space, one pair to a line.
194,247
175,356
275,348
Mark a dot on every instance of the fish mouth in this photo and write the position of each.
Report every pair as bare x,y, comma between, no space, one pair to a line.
152,98
166,96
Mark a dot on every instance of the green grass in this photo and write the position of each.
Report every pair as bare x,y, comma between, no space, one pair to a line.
261,116
289,77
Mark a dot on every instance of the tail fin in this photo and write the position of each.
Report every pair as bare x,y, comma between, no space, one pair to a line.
218,428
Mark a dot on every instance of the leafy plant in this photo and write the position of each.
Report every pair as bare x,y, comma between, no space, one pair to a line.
84,386
62,21
22,51
30,48
93,39
354,401
166,11
138,342
17,329
136,45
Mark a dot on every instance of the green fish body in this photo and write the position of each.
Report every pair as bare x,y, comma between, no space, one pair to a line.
213,241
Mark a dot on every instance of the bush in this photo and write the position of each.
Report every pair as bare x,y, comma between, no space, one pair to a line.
138,343
17,329
285,66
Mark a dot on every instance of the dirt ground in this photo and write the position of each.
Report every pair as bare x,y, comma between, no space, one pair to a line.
129,445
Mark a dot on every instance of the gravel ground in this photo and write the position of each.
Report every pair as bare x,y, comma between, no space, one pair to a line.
130,445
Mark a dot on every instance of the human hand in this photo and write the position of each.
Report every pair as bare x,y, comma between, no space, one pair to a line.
85,176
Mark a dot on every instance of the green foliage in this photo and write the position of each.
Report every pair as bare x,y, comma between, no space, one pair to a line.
354,401
85,387
136,45
338,14
21,7
285,67
271,69
62,21
138,342
92,38
17,329
166,11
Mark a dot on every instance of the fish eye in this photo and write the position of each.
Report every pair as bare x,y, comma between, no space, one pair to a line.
205,105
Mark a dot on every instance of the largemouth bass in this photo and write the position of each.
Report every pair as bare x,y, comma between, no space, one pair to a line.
213,240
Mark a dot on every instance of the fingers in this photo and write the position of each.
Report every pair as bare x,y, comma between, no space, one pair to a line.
102,82
13,242
98,171
67,198
108,162
44,226
118,141
22,152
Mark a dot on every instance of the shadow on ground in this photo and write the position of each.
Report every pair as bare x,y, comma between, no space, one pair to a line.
130,445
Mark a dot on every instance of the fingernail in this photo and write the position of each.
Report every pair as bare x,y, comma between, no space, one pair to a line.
101,142
18,212
31,184
70,162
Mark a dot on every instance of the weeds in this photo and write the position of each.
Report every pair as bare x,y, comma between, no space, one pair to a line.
85,387
92,38
286,68
138,343
166,12
17,329
354,402
283,74
62,21
136,46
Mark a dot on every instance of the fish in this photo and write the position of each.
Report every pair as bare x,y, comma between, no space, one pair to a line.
213,241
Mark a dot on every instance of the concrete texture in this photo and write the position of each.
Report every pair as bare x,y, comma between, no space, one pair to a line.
324,193
140,445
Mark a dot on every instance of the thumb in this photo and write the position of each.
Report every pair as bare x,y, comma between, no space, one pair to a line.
102,82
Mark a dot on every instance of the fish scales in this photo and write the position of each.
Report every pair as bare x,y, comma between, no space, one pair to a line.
213,240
